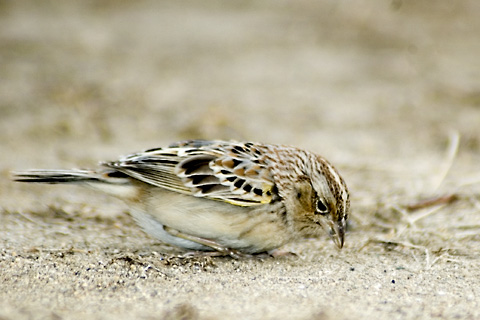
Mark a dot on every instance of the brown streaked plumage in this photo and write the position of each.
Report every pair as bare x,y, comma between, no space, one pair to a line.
224,196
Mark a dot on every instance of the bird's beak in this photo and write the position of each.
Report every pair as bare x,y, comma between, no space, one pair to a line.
338,229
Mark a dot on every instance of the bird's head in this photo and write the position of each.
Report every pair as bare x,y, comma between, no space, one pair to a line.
319,200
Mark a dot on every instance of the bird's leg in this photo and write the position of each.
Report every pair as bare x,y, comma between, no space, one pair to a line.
275,253
209,243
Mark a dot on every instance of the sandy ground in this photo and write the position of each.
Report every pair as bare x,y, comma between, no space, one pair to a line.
386,90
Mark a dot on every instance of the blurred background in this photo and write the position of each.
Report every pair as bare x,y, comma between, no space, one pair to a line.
388,91
86,79
377,87
367,84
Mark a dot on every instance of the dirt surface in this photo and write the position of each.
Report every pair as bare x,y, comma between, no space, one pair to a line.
388,91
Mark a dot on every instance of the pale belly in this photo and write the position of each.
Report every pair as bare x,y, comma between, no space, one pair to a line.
249,229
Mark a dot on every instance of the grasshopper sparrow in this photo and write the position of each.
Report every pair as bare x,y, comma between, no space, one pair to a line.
232,197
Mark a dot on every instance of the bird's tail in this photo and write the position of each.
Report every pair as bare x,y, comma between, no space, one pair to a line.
58,176
109,181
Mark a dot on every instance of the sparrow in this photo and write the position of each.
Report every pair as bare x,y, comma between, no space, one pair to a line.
232,198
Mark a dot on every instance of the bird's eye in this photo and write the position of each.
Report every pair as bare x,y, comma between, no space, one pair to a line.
321,207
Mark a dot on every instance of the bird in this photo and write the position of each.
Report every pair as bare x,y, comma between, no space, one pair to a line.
224,197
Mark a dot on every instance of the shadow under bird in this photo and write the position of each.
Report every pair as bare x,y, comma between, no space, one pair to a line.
233,198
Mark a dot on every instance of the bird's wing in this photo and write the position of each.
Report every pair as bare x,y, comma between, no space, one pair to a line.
233,172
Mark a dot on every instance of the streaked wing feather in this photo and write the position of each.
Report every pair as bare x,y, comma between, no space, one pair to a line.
230,172
157,170
239,168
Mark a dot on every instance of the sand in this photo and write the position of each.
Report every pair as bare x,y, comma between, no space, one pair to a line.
387,91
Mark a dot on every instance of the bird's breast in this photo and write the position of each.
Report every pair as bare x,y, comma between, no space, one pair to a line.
250,229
